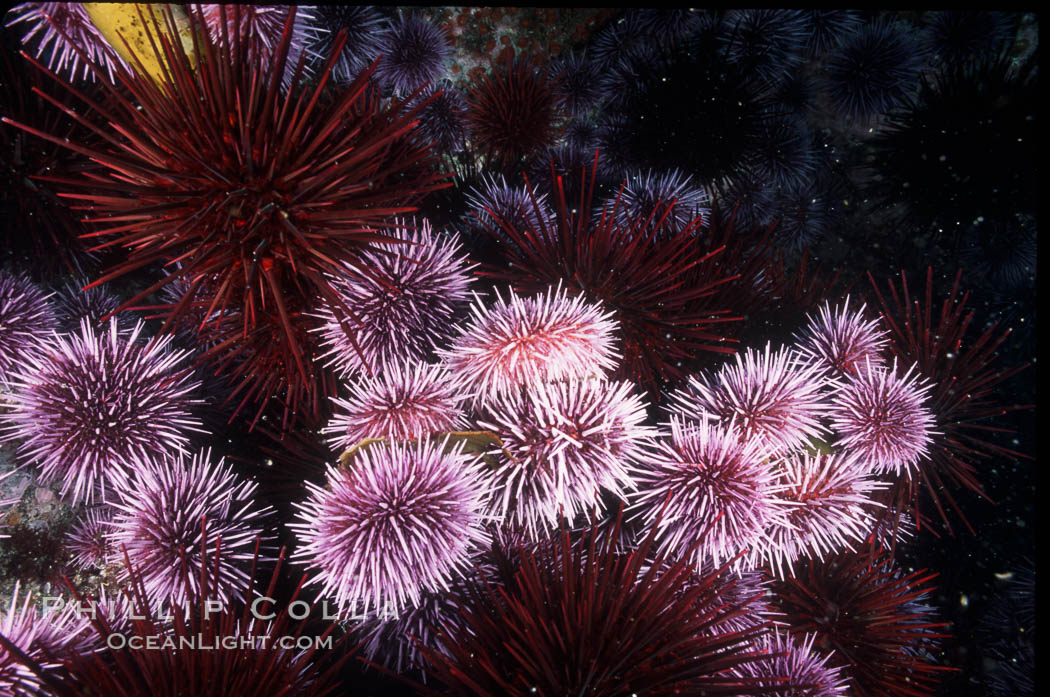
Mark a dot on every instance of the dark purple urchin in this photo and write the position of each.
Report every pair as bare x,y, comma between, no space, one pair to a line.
957,36
768,42
828,27
776,398
576,82
365,27
1002,253
781,152
401,301
561,445
74,302
496,200
163,518
26,318
398,520
586,618
827,506
705,490
805,213
873,617
61,35
515,112
401,401
669,198
443,118
414,51
883,418
874,69
95,406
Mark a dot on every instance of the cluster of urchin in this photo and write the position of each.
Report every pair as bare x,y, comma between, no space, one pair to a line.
476,440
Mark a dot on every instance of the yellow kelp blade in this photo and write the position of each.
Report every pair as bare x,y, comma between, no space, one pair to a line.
121,24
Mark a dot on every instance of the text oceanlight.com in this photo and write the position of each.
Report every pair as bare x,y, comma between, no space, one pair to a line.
164,642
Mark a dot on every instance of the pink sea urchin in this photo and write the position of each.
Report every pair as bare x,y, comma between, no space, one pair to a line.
25,316
523,341
842,340
95,406
403,296
400,519
705,475
563,443
827,506
882,418
402,401
774,397
164,515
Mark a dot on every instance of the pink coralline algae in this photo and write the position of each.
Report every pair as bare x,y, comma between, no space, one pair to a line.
397,521
524,341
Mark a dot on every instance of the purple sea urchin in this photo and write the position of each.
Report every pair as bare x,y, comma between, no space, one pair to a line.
399,520
96,406
26,315
806,671
524,341
773,397
882,418
402,306
842,340
413,51
563,443
57,30
165,512
40,636
74,302
874,69
364,27
669,198
826,504
89,543
402,401
706,489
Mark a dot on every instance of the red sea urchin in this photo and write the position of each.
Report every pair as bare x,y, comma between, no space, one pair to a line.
962,397
398,520
585,618
872,615
97,405
669,290
258,193
513,112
